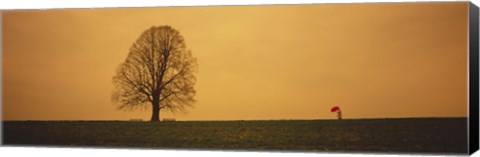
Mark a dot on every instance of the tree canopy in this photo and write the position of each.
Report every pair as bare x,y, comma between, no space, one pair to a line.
158,73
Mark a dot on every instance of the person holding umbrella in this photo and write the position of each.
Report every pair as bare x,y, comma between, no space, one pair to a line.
339,112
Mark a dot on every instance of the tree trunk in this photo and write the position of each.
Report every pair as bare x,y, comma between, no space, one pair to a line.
155,111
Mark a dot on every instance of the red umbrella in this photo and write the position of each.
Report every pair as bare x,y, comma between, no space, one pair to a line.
335,109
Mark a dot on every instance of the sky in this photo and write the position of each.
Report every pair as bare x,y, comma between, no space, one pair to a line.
378,60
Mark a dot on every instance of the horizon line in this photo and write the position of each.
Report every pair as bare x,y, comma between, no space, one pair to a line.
130,120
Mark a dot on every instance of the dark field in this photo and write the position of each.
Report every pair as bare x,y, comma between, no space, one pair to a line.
420,135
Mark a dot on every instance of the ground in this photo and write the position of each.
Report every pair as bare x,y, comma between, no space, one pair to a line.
409,135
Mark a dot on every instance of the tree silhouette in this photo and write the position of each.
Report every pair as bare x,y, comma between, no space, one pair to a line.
158,73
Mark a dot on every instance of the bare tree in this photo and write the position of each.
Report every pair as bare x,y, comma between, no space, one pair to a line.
158,73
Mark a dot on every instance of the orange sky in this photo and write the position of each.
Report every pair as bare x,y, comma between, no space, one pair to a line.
255,62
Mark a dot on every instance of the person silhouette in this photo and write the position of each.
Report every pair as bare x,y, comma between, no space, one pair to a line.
339,114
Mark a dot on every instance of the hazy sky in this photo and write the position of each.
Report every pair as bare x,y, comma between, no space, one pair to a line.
255,62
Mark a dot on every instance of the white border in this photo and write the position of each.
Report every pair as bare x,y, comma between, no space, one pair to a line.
49,4
82,152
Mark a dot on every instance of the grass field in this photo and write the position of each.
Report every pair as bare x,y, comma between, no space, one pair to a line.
419,135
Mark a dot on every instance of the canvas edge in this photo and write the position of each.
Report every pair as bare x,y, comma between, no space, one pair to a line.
473,79
1,78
